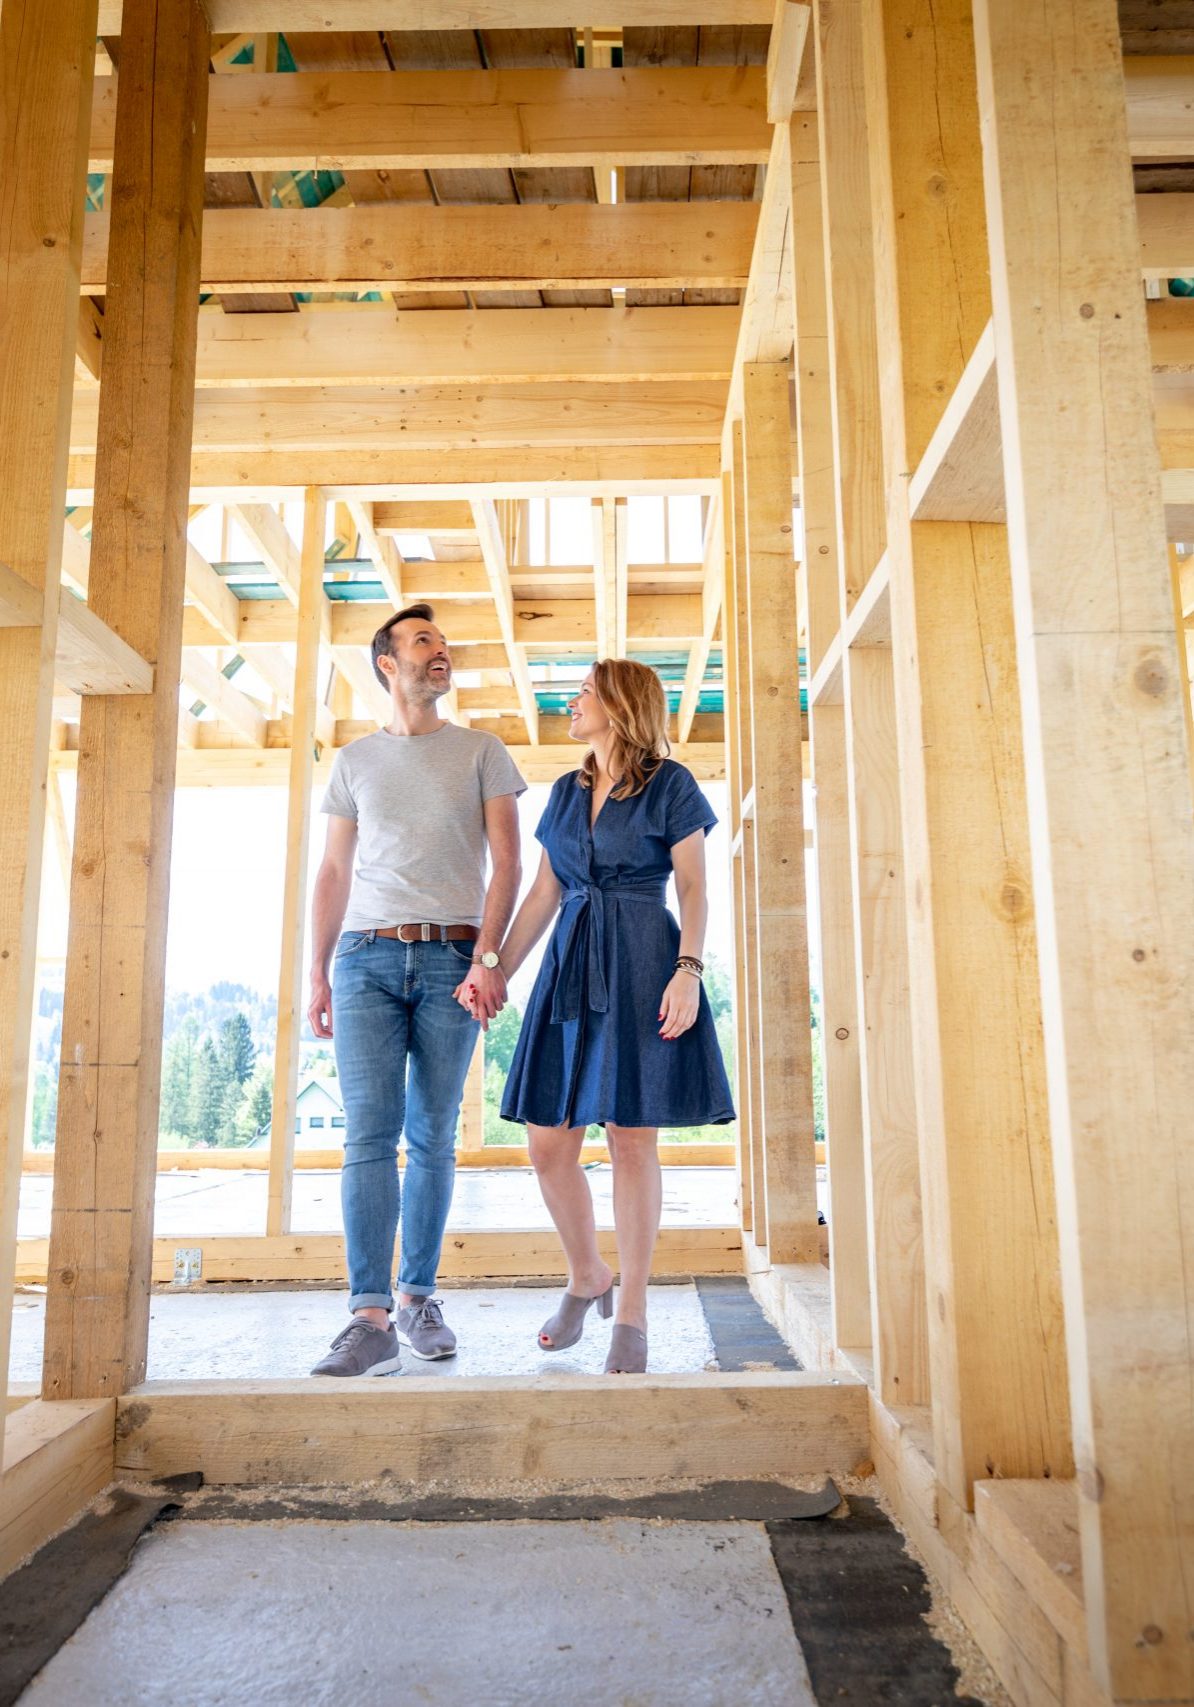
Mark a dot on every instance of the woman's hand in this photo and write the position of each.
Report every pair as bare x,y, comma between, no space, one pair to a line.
680,1005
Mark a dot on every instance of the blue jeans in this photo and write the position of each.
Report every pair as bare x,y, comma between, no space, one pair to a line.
403,1047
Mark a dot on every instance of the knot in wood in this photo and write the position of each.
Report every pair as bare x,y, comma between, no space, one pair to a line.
842,1033
1152,677
1087,311
1138,954
1152,1634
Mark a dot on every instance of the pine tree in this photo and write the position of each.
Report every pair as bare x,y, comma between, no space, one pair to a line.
260,1108
178,1076
231,1111
207,1095
237,1051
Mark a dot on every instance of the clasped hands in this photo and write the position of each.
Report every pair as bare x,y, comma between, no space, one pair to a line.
483,993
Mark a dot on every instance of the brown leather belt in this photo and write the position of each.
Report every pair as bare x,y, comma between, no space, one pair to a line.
430,933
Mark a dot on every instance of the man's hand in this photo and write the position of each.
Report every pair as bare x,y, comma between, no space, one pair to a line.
319,1011
483,993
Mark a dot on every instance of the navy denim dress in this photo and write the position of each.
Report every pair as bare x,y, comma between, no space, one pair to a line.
590,1049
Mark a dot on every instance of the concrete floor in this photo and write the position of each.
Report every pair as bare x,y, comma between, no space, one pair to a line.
618,1613
218,1202
220,1335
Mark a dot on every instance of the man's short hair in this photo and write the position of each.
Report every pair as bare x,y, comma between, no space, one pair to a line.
382,646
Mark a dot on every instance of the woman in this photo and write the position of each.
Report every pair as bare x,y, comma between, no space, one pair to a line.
618,1030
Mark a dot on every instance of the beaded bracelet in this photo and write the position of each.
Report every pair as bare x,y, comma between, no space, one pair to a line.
690,963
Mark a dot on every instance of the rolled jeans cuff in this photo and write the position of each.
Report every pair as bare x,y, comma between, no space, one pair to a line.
371,1301
416,1288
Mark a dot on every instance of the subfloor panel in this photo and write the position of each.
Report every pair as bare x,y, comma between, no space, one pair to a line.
221,1334
449,1615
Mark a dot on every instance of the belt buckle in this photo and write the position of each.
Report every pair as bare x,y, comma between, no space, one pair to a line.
424,933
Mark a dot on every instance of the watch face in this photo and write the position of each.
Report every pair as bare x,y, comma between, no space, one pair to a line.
489,959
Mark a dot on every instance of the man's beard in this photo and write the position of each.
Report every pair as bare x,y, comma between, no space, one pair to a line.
419,686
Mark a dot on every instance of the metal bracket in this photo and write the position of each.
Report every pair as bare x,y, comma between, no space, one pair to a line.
188,1265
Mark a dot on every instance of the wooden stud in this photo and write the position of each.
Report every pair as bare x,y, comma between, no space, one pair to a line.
97,1312
47,52
1109,806
294,892
778,815
853,369
785,56
996,1340
894,1216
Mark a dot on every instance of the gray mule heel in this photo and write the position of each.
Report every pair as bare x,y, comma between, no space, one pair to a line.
627,1351
568,1323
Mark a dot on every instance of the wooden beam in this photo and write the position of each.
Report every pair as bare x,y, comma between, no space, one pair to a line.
501,1427
89,342
785,57
97,1308
365,343
1160,106
211,596
1165,223
713,576
381,551
451,521
354,665
440,418
294,893
223,696
596,471
450,120
765,326
493,550
231,17
1110,811
412,247
91,658
266,530
22,605
47,46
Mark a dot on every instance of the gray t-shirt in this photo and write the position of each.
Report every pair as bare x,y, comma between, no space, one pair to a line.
418,804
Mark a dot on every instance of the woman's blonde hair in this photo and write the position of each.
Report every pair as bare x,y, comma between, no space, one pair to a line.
632,695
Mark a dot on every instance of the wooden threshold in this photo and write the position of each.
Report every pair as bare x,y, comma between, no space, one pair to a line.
558,1428
476,1256
57,1454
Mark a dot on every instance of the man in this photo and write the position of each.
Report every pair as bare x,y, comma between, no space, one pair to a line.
413,929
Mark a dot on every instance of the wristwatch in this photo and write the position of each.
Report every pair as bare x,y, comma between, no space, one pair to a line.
489,959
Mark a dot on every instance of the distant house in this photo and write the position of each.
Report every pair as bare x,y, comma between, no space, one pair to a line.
319,1115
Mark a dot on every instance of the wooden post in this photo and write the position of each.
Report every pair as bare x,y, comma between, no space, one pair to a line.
996,1340
97,1315
291,1006
47,51
472,1109
729,643
1179,566
750,1113
1110,810
785,1038
849,1269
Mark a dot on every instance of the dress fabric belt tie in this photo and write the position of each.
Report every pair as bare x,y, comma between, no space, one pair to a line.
581,980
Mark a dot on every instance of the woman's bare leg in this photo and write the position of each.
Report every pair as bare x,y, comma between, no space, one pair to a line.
638,1204
555,1156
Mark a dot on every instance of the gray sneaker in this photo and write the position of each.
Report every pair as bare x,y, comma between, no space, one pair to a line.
421,1326
361,1349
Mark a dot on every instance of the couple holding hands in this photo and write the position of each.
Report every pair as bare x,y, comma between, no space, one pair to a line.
411,951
